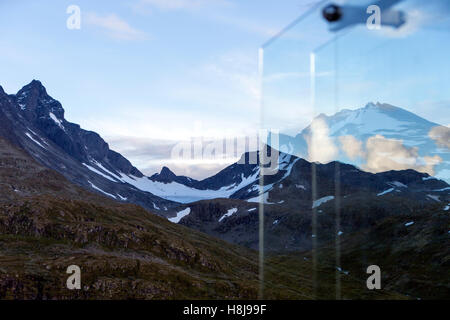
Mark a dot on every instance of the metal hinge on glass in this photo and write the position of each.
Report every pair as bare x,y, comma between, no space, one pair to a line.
343,16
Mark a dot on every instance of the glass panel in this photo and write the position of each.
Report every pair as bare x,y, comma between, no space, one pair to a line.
368,109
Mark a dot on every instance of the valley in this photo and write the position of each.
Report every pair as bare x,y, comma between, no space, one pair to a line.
66,198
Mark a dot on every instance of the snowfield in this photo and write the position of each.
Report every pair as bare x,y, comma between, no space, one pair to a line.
178,192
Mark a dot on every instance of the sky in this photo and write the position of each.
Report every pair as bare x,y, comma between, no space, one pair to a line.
146,74
406,67
144,70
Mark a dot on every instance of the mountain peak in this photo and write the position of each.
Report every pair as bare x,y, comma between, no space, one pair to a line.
166,173
34,85
371,105
167,176
35,102
35,82
381,106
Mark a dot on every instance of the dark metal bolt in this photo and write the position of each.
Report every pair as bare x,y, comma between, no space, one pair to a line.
332,13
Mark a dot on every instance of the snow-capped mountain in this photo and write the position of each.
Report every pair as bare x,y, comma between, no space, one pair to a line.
34,121
363,198
360,136
388,129
238,181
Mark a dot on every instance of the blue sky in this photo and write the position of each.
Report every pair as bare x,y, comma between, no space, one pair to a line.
170,62
146,73
144,69
407,67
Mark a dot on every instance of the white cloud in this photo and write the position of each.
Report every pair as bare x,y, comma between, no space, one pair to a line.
199,172
150,155
114,26
441,135
385,154
352,146
166,124
320,145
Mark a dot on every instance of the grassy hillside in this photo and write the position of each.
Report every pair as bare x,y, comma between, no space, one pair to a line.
408,240
124,251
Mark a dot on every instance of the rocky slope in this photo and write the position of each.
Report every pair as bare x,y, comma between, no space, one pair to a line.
398,220
293,196
124,251
34,121
48,220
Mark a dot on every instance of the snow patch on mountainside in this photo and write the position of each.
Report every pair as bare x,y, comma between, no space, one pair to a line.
435,198
104,192
98,164
178,192
367,120
98,172
257,198
229,213
56,120
399,184
385,192
320,201
181,193
34,140
180,215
